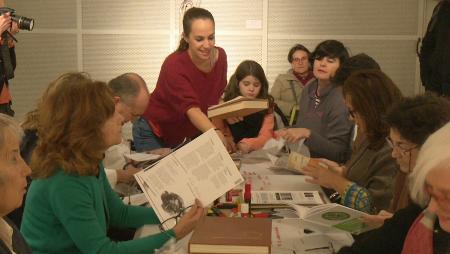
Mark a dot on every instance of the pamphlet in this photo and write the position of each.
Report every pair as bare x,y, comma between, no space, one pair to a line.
335,216
201,169
284,197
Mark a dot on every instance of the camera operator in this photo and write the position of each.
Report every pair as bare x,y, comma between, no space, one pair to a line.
7,61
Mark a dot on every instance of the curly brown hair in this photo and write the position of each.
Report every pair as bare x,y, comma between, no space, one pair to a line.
418,117
70,122
372,93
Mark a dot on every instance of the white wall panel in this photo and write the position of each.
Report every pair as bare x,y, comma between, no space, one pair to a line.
396,59
40,59
56,14
381,17
240,48
141,15
106,56
233,15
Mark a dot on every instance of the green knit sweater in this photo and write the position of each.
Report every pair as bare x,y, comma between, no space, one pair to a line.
71,214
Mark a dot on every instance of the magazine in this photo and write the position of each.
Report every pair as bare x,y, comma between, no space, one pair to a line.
335,216
200,169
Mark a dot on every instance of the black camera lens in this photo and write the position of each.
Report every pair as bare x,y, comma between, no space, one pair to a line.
23,23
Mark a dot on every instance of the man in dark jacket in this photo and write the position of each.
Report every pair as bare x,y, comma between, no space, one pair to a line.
7,61
435,51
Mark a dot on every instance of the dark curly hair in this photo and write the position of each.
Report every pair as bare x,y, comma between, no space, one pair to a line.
418,117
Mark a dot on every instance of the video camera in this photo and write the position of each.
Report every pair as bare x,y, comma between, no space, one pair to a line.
23,23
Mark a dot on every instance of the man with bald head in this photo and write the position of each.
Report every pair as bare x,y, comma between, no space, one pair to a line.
131,95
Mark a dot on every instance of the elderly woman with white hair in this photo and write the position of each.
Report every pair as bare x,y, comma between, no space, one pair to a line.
423,228
13,183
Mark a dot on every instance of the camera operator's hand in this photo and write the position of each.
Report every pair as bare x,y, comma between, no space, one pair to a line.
5,22
14,28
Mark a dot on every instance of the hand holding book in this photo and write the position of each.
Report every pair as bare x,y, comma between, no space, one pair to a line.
189,220
324,175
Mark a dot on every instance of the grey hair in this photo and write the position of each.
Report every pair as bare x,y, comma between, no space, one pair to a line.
125,86
8,126
8,123
433,153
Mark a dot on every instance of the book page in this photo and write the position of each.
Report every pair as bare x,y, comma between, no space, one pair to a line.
339,217
202,169
283,197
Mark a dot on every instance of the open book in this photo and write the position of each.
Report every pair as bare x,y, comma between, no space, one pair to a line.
201,169
334,216
237,107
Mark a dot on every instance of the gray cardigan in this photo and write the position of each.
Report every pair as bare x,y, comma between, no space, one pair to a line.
329,123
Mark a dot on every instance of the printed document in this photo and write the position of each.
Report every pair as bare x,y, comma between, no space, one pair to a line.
201,169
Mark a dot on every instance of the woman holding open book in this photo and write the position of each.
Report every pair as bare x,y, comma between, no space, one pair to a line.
70,204
191,79
366,181
423,228
411,122
253,131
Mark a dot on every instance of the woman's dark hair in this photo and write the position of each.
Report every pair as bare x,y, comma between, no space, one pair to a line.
331,49
189,16
371,94
244,69
418,117
295,48
357,62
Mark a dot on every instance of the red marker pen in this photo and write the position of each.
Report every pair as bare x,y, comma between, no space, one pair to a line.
248,197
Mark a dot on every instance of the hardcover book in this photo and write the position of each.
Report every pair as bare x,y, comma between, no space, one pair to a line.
237,107
232,235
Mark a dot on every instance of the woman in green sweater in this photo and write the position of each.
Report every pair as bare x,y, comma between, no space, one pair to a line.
70,204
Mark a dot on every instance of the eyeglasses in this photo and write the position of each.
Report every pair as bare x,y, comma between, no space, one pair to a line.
403,150
441,197
299,60
172,221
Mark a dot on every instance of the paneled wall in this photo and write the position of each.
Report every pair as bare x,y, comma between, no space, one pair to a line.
108,37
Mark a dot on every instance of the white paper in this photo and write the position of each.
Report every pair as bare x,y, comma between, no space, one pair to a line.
139,157
136,199
202,169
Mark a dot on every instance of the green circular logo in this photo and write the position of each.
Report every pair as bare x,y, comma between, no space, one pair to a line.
335,216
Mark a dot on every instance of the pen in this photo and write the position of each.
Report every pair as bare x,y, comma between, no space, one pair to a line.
217,212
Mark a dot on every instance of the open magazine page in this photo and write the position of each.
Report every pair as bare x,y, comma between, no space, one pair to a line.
283,197
334,216
201,169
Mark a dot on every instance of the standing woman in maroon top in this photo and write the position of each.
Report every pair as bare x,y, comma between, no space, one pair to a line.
191,79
